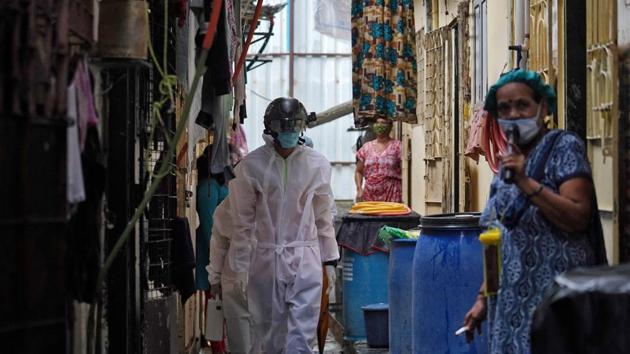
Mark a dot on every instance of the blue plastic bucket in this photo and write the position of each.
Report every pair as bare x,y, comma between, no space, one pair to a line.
364,283
376,325
400,295
447,273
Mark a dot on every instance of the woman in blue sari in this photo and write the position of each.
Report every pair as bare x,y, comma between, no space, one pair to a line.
547,216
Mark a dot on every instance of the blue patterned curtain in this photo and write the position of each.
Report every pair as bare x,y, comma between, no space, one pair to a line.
383,60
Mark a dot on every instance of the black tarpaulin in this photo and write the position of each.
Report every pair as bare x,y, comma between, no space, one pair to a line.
587,310
359,233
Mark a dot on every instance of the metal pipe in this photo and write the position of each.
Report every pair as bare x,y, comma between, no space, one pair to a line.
248,41
521,27
338,111
519,30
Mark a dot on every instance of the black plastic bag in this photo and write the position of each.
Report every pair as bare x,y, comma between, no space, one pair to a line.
586,311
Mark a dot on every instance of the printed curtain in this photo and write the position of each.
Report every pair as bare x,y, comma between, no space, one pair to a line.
383,61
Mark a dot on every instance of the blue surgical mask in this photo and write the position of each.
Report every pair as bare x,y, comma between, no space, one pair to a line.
288,140
528,128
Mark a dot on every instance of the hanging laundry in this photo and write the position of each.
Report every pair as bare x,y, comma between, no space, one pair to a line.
383,60
75,192
218,61
233,33
239,81
332,17
80,109
215,115
220,146
475,133
86,113
196,132
238,144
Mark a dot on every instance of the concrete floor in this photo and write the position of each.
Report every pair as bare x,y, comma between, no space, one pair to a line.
333,347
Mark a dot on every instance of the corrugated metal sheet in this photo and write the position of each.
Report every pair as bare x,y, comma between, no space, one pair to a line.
320,82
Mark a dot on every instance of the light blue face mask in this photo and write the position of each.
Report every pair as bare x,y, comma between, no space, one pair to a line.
528,128
288,140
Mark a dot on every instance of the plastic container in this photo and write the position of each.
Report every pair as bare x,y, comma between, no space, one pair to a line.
376,325
447,274
400,295
364,283
491,241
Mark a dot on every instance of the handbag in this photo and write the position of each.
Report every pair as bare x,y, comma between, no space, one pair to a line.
214,320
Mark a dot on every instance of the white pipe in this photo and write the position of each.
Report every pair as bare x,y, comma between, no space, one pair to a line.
519,30
521,26
525,19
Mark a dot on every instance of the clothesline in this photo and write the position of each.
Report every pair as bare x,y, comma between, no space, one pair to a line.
259,95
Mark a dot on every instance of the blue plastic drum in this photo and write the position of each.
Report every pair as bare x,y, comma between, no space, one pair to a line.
447,273
364,283
376,325
400,295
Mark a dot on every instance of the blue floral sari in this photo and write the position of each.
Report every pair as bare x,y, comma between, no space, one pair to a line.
533,250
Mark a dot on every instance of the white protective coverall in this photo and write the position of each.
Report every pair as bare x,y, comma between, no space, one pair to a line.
235,309
281,211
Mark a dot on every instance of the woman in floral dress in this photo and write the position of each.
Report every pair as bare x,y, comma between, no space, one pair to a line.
379,164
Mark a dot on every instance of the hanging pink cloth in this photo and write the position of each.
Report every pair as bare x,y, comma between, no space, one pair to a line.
86,113
475,134
238,144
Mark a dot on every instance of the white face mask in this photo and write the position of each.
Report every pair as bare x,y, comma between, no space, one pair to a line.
528,128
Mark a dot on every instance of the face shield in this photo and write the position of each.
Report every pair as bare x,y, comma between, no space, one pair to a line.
295,124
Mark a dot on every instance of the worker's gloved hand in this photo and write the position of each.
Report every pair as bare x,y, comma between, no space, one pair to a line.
240,286
332,277
215,290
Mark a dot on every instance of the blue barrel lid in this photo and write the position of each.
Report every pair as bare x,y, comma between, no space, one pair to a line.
451,221
375,307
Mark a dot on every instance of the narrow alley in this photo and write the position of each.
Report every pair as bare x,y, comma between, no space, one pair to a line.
315,176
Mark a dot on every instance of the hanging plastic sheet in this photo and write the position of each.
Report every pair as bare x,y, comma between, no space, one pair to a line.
332,17
586,311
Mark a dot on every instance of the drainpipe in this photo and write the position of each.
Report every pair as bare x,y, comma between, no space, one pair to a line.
521,29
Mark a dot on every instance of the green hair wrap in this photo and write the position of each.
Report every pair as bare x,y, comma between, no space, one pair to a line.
529,78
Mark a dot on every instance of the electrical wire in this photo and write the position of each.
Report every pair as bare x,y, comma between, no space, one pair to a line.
259,95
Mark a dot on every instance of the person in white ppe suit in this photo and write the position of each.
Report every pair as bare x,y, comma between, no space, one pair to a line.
223,283
281,203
